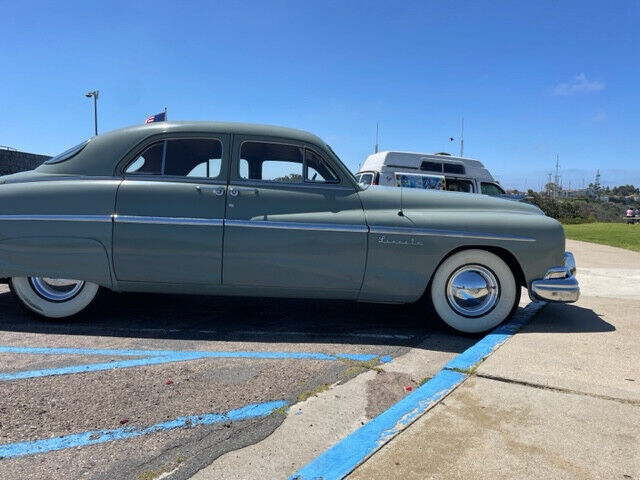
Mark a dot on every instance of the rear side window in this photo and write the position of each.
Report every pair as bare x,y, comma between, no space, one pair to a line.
67,154
193,157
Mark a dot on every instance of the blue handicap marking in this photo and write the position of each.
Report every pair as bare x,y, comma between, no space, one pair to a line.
155,357
19,449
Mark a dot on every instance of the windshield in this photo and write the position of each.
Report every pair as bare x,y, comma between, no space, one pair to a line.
67,154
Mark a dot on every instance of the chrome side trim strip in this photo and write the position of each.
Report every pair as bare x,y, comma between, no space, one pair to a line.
59,218
434,232
322,227
212,222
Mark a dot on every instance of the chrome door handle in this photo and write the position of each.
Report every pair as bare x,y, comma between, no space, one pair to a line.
219,191
235,191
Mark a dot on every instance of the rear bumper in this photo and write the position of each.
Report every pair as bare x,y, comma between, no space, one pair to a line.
559,283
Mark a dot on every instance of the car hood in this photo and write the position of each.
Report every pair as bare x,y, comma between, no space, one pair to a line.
416,200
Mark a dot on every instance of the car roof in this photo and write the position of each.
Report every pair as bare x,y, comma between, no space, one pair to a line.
103,152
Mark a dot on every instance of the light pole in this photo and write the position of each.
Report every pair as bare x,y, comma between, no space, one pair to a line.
95,95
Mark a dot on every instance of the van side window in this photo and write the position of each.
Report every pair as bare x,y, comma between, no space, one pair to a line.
454,168
431,166
491,189
458,185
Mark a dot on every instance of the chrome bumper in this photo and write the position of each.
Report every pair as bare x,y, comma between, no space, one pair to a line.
559,283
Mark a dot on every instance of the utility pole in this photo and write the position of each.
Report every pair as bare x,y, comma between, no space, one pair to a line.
375,150
556,178
95,95
462,139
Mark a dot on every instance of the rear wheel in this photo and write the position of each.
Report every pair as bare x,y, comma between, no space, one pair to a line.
474,290
53,297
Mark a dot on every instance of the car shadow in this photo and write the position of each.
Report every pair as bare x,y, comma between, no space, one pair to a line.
568,318
244,319
272,320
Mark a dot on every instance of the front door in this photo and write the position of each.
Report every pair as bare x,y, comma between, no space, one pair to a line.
170,207
292,222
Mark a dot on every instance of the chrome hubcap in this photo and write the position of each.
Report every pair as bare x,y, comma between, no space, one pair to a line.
56,289
472,290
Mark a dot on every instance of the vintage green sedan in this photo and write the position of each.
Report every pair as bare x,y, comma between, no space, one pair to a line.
238,209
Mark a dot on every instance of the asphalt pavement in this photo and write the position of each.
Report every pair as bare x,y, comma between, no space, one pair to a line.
145,386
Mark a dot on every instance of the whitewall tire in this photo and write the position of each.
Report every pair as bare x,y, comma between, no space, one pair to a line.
474,290
53,298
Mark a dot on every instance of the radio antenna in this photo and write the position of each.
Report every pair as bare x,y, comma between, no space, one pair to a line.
462,139
375,150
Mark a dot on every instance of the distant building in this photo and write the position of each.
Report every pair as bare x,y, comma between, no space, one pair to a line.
13,161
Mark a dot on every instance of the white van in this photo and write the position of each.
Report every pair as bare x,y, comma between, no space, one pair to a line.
438,171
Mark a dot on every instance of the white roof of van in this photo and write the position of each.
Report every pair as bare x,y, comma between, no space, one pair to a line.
413,160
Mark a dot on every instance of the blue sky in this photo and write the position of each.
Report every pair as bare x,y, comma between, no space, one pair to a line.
531,79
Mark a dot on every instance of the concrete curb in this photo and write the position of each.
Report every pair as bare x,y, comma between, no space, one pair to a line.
353,450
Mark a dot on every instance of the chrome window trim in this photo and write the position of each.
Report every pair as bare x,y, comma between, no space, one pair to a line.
323,227
434,232
212,222
300,186
58,218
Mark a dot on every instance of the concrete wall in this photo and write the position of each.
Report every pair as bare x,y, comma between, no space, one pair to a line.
12,161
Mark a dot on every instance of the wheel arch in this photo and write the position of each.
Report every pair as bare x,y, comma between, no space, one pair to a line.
507,256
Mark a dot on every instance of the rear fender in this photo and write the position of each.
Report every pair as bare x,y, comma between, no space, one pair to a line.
57,257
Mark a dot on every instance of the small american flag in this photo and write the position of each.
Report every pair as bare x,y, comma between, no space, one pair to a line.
160,117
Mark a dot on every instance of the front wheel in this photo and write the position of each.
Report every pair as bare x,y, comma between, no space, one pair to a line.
53,297
474,290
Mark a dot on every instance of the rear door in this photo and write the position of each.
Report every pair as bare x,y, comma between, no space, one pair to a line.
292,221
169,212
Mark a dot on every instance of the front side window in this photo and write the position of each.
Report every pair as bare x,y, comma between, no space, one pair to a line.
193,157
316,169
281,163
273,162
491,189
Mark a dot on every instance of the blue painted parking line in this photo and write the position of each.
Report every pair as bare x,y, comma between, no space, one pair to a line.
91,367
12,450
485,347
346,455
155,357
343,457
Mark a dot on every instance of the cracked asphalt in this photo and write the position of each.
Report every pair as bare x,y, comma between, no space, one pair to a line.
49,406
